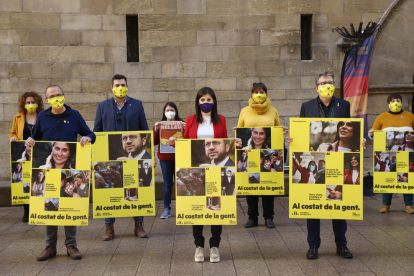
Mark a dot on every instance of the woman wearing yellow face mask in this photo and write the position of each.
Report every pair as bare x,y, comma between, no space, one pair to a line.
396,120
30,104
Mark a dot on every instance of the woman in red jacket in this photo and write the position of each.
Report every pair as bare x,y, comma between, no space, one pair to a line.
206,123
351,176
167,160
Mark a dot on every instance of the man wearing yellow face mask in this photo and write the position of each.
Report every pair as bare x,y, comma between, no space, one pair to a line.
121,113
60,123
396,120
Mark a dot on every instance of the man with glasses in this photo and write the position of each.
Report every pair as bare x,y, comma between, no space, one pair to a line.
326,106
122,113
60,123
134,146
217,151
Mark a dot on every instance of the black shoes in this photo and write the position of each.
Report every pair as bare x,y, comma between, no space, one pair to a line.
312,252
251,223
344,252
269,223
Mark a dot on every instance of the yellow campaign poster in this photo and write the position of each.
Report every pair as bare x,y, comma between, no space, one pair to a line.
259,161
326,158
205,182
394,162
21,165
60,184
123,179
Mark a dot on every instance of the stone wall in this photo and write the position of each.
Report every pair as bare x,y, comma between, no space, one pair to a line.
184,45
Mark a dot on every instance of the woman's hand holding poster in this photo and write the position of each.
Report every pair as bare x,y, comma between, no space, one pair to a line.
259,161
394,162
205,182
327,153
60,184
123,179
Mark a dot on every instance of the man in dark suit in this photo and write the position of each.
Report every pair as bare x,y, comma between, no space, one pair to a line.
228,183
326,106
121,113
145,175
134,146
217,151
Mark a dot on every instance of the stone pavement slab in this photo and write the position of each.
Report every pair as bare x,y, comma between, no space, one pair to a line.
383,244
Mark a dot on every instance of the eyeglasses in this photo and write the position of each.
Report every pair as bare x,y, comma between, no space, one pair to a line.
118,117
54,96
325,83
213,143
130,137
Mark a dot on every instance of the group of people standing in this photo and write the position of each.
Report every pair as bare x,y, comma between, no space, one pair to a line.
122,113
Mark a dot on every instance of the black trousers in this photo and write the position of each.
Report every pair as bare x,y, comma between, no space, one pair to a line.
267,203
314,231
215,235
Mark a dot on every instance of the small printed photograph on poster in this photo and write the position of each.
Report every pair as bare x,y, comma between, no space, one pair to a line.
74,183
271,160
17,172
131,194
19,152
191,182
51,204
213,203
254,178
309,167
352,168
400,141
343,136
411,161
242,161
402,177
385,161
129,146
54,155
255,138
168,130
228,181
109,174
26,188
334,192
38,182
212,153
145,173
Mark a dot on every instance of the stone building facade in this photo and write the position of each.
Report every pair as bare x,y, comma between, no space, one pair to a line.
187,44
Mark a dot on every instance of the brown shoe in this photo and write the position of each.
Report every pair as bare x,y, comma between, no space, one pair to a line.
109,233
409,209
48,253
139,229
385,209
73,253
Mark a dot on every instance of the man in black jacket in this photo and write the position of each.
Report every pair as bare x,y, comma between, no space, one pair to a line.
326,106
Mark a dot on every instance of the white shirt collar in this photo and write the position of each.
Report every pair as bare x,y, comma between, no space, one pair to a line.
221,164
139,156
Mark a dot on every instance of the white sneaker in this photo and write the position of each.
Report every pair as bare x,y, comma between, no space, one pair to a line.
214,255
199,254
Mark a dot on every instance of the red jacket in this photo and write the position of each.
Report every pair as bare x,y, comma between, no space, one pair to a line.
191,127
304,173
348,176
162,156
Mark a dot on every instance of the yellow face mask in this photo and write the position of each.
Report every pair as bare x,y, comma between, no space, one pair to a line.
395,106
259,98
120,91
326,91
57,102
31,108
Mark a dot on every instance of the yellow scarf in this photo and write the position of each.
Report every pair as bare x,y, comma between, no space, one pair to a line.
260,108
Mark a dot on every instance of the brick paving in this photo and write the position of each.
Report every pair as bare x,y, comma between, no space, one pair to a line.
382,244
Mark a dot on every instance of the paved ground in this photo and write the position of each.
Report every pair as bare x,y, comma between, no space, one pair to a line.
382,244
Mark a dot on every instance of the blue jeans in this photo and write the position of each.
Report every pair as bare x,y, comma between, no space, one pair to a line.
408,199
168,171
112,220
